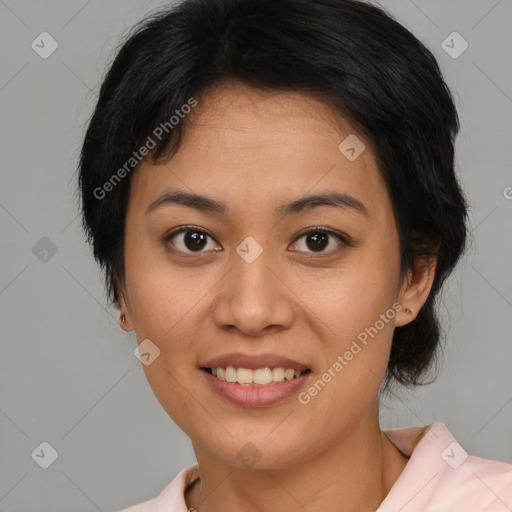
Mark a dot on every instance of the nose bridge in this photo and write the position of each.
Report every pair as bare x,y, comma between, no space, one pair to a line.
251,261
251,297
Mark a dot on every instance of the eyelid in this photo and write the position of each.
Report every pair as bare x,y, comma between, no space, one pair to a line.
324,229
342,237
186,227
183,229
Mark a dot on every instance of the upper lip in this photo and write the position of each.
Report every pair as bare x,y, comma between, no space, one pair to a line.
239,360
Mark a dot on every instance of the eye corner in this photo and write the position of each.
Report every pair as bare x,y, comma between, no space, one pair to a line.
344,239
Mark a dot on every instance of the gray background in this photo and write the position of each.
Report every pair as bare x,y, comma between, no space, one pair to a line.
68,373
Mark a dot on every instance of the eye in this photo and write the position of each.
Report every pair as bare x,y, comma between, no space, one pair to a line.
191,239
188,239
318,238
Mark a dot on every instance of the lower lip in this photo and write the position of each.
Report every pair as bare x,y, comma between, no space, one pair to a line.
255,396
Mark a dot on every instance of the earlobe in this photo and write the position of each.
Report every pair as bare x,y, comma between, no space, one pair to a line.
125,324
416,290
125,320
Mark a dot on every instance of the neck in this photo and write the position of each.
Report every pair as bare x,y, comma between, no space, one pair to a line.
355,472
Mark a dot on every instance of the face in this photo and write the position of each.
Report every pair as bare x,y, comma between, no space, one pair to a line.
309,282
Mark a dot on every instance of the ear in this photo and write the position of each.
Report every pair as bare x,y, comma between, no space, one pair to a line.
415,290
125,309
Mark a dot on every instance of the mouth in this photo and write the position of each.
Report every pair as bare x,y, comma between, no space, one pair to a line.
254,380
255,377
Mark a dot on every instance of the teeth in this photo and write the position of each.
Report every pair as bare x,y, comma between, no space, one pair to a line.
261,376
230,374
278,374
244,376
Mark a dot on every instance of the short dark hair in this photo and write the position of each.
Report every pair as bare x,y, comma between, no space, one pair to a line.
353,55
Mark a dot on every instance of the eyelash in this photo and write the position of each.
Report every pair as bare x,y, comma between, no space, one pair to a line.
344,239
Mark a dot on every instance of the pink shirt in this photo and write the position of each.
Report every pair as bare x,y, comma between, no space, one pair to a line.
440,476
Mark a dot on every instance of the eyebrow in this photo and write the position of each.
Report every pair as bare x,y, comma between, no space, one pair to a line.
209,205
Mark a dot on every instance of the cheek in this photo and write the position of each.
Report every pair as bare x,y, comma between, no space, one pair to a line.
356,294
163,309
159,295
358,304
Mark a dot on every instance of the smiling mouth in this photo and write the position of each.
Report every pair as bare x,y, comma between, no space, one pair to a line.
259,377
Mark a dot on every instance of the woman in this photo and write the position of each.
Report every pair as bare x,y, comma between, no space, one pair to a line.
269,187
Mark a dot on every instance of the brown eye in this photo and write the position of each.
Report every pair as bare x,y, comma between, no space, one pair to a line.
318,239
188,240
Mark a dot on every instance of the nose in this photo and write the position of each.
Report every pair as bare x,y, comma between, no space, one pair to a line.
253,297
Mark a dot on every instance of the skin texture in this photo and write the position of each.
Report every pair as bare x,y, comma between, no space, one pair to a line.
255,150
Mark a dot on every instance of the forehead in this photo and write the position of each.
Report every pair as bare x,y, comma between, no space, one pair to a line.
245,145
243,112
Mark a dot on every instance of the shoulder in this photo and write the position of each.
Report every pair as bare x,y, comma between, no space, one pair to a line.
478,484
172,497
441,475
482,483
